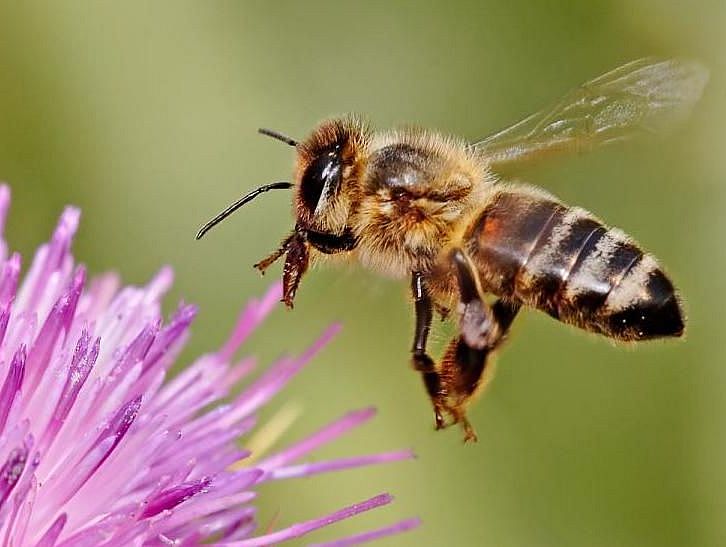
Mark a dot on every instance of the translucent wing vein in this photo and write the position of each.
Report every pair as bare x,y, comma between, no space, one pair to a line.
644,96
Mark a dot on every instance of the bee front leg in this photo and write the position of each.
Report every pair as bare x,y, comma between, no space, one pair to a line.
483,329
297,258
296,264
266,262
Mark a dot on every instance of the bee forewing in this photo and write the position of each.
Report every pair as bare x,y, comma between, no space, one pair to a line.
644,96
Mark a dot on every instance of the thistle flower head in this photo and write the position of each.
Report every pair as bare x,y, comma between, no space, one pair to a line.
98,446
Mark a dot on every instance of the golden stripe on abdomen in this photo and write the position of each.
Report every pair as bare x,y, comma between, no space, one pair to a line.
566,263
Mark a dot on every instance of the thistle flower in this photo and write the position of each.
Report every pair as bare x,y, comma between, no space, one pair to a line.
99,447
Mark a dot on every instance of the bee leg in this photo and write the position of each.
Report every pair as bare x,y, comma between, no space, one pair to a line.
461,372
332,243
420,359
476,320
295,247
483,329
266,262
296,264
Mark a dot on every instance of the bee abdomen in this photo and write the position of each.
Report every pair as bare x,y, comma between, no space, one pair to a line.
566,263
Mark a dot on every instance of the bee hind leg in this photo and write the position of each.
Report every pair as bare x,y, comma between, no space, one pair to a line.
483,328
461,375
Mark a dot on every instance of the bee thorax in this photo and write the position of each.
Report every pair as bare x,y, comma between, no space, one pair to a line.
416,188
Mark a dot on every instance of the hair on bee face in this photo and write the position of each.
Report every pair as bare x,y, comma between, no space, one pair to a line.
348,131
327,166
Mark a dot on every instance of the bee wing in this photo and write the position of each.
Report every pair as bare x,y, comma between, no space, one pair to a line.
644,96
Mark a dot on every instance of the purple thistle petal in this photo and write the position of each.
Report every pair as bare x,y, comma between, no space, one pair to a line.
96,300
261,391
210,510
16,433
170,335
186,398
249,320
118,426
303,528
61,242
134,354
224,492
57,322
11,386
108,397
239,371
241,530
308,469
275,379
11,471
216,522
50,259
22,502
323,436
9,278
212,441
95,456
231,481
108,471
365,537
54,531
160,284
22,333
8,287
83,360
4,205
172,497
18,507
136,350
4,320
96,534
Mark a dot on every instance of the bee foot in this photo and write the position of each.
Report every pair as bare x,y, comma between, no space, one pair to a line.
469,432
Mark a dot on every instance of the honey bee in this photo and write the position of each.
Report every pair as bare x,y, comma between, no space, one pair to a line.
420,205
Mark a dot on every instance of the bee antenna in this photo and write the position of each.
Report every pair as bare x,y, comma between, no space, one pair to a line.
277,135
239,203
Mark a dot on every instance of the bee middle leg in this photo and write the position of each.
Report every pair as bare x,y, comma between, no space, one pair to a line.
421,360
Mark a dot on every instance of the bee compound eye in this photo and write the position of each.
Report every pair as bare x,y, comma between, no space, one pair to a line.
322,175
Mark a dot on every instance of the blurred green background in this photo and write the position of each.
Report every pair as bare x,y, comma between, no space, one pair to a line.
144,114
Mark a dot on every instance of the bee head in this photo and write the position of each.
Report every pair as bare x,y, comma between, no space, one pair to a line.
327,167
